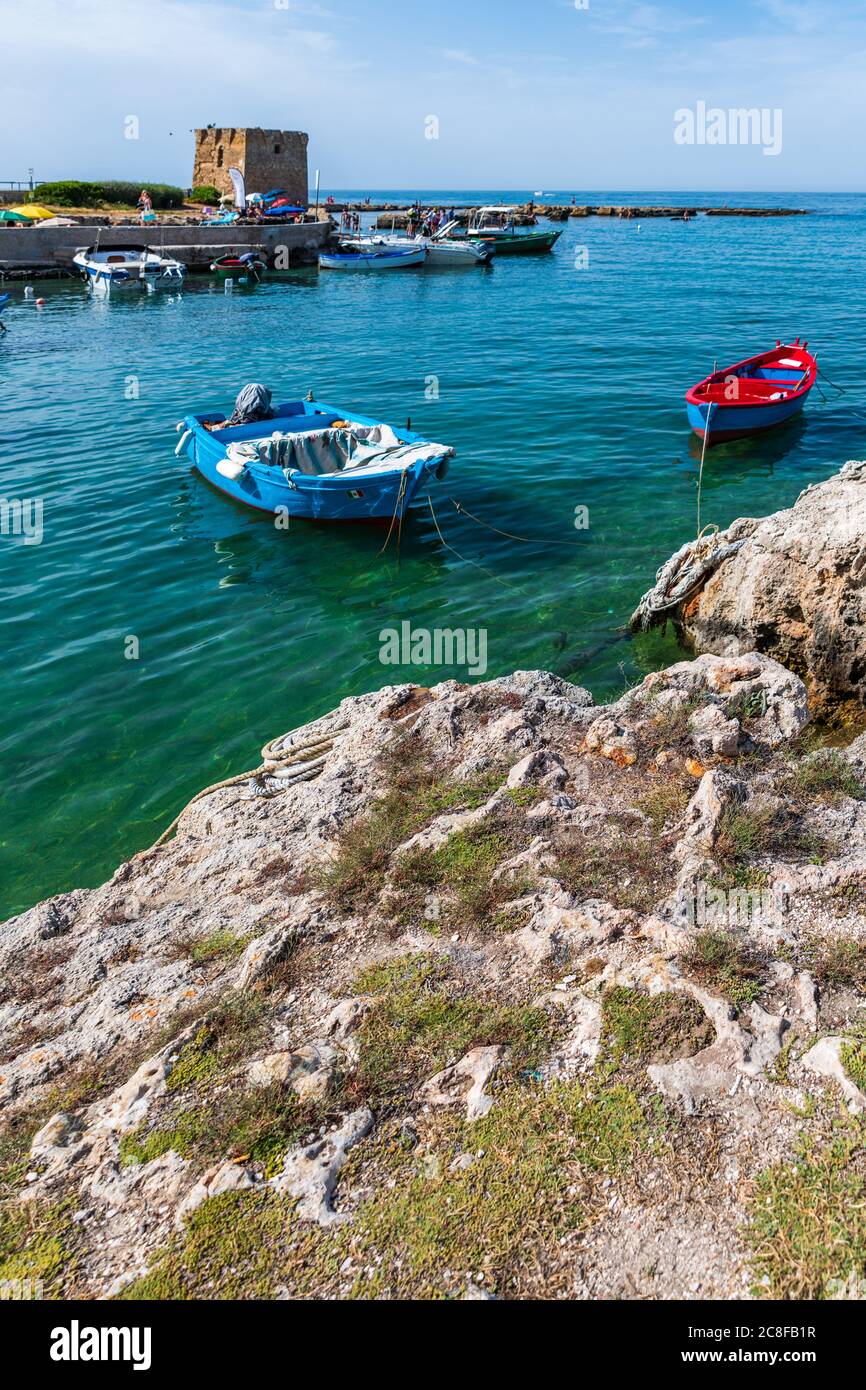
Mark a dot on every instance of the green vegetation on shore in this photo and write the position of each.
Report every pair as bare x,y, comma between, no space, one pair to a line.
467,1202
807,1232
75,193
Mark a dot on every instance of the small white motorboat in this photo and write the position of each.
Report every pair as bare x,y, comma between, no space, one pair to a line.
128,267
441,249
363,255
445,249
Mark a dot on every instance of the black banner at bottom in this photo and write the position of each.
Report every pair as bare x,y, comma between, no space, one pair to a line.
59,1340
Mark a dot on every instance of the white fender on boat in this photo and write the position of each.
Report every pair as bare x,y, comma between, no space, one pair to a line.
179,426
182,442
230,469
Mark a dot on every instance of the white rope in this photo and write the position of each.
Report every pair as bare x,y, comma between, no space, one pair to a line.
282,763
682,575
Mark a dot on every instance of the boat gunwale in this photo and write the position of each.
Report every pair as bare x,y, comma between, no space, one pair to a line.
804,385
320,481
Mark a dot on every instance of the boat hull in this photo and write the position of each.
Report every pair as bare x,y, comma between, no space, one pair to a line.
240,274
373,260
739,422
462,252
459,255
359,496
515,244
128,268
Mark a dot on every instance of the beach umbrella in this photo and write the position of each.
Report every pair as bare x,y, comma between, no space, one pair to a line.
34,211
7,215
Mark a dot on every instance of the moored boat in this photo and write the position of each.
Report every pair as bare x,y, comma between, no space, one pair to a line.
496,225
363,256
4,300
760,393
309,460
245,267
128,267
442,250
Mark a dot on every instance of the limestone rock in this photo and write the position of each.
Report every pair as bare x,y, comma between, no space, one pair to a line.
56,1133
611,739
102,976
796,590
465,1081
130,1104
717,790
227,1176
310,1171
265,953
825,1059
308,1071
534,767
714,734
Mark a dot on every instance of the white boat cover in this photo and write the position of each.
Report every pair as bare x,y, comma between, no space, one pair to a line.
353,447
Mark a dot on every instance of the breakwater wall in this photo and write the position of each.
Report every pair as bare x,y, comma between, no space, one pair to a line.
49,250
388,215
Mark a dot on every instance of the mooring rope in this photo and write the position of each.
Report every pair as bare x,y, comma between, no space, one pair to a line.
401,493
710,405
307,758
843,391
509,535
465,558
682,575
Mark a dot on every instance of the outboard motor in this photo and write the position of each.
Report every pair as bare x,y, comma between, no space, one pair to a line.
253,404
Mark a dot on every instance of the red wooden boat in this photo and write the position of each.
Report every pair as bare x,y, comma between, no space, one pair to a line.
760,393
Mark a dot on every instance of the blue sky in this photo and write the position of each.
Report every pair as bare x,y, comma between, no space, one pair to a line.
540,94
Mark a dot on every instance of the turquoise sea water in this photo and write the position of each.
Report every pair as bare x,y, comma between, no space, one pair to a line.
559,386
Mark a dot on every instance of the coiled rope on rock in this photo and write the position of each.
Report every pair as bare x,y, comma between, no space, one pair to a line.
683,575
284,763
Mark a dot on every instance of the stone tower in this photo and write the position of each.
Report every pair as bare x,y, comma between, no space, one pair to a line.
266,158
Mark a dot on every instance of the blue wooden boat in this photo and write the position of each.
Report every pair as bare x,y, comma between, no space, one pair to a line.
310,460
760,393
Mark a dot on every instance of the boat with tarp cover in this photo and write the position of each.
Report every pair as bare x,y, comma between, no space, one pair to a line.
442,249
310,460
760,393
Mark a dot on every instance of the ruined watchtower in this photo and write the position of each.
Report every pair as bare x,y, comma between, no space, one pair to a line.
266,158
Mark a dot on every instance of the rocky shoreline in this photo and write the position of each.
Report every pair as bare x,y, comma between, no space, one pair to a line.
519,997
392,214
794,586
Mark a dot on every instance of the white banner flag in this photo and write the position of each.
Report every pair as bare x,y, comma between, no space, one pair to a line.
237,179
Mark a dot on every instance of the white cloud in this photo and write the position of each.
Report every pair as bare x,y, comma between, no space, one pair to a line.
802,18
459,55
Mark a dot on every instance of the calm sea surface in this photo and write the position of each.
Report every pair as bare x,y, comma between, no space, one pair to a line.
560,382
